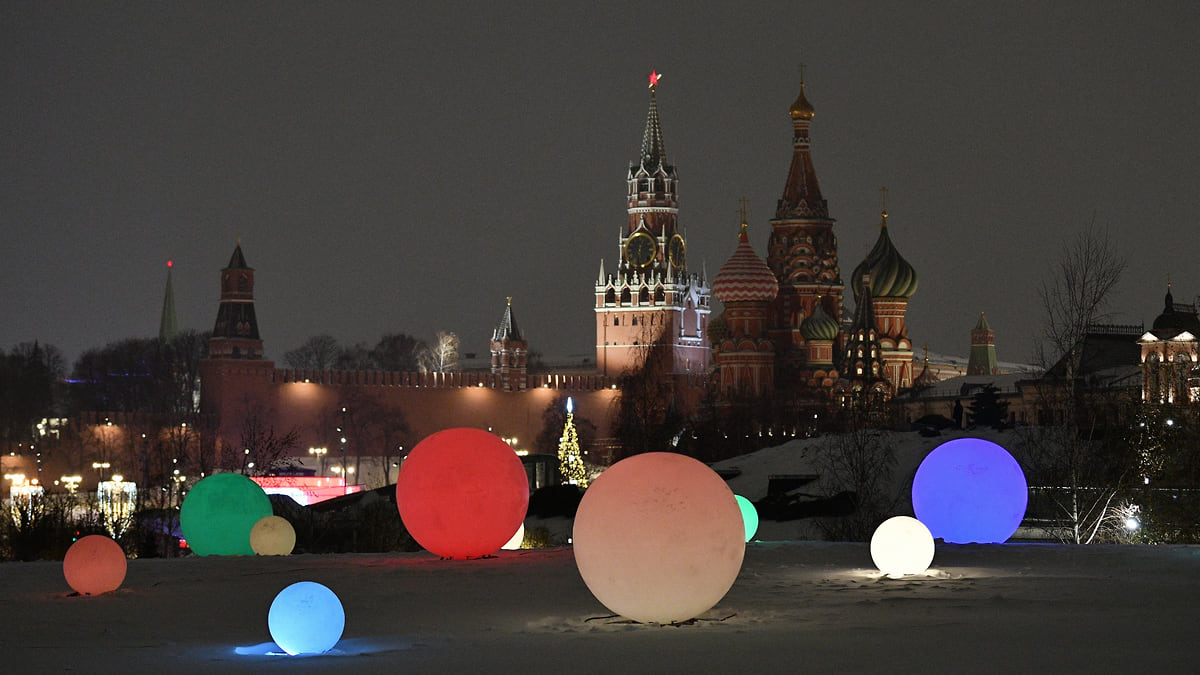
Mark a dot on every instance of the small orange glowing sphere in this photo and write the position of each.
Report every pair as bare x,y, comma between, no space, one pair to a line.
659,538
273,535
462,493
95,564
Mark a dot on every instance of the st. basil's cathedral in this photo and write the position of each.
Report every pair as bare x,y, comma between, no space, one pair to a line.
782,333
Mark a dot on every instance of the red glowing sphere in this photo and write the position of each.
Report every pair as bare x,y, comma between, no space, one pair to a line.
462,493
95,564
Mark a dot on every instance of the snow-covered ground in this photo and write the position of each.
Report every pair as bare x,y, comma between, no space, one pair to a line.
797,606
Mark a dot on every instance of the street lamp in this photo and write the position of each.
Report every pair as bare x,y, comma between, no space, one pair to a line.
101,466
320,455
72,482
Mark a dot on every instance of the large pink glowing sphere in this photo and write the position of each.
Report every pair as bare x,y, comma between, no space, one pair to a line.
95,564
462,493
659,538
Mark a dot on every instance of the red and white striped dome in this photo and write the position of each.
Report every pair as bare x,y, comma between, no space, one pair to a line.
745,277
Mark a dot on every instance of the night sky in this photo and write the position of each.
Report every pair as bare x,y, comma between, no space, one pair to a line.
404,169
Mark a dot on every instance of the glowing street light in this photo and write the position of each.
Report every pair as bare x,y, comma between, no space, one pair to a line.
72,482
101,466
319,453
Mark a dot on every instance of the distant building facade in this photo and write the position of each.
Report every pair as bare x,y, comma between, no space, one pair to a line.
1170,355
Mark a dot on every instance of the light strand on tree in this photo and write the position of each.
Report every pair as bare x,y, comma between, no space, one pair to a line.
570,461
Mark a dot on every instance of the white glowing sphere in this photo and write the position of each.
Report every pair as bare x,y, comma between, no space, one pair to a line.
306,618
273,535
902,545
517,539
659,538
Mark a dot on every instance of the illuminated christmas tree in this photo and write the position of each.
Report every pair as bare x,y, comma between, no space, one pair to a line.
570,461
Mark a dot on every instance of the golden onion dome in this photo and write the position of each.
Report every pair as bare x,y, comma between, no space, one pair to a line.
802,109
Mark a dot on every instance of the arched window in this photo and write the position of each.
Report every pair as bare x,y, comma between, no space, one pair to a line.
610,298
626,297
616,321
644,296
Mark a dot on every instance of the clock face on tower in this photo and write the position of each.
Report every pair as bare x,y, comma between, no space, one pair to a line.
677,250
640,249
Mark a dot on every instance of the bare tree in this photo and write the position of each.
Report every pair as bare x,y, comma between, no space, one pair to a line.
1076,296
443,354
648,418
1085,470
399,352
319,352
262,445
858,462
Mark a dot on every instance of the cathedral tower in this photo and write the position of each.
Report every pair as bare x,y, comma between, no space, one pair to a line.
802,249
892,282
651,296
745,356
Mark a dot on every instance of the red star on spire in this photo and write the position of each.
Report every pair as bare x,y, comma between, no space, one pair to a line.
654,78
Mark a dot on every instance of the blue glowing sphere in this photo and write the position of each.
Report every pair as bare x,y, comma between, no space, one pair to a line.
970,491
749,516
306,618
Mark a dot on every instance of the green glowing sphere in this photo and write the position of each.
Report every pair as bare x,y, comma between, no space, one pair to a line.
219,512
749,516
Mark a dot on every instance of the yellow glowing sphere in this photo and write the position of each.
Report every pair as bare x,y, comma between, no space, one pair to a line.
659,538
901,546
95,564
272,535
517,539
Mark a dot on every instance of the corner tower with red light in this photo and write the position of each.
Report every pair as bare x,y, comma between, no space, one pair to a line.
650,296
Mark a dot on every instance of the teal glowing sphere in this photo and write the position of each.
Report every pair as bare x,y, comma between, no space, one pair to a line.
970,491
219,512
749,516
306,618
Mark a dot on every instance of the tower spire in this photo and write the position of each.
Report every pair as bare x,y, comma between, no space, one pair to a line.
168,328
653,150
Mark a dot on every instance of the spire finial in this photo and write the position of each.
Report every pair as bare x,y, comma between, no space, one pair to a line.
883,206
743,205
508,299
801,75
654,78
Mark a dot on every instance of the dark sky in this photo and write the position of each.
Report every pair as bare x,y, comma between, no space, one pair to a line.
399,169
